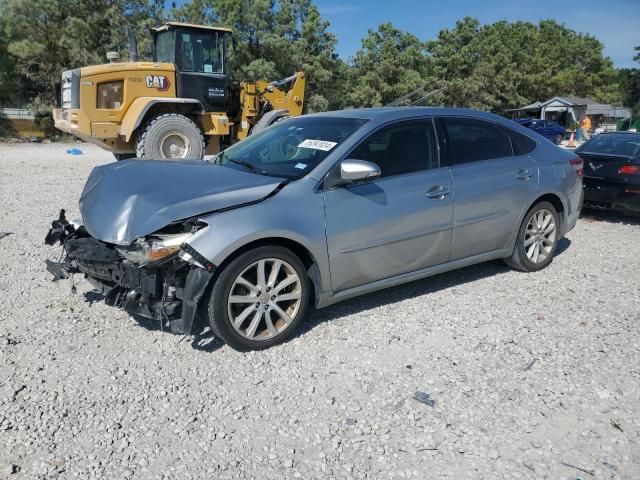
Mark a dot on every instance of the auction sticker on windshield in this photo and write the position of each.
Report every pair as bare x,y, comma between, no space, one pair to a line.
318,144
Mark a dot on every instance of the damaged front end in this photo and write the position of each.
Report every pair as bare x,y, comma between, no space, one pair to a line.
158,276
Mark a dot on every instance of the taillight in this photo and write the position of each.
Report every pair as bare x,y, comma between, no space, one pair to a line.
578,165
629,170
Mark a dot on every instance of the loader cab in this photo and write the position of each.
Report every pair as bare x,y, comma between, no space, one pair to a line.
199,54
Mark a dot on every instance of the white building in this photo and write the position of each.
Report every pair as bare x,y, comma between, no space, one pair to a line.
569,111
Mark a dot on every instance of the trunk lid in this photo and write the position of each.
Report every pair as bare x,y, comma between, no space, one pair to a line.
605,166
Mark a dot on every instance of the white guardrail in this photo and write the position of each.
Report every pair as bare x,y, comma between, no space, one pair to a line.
17,114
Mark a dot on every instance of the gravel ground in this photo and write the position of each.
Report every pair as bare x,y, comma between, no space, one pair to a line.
533,375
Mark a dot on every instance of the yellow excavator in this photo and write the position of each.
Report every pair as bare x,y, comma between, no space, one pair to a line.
181,105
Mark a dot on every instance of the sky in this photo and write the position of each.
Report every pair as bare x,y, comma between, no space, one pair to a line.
616,23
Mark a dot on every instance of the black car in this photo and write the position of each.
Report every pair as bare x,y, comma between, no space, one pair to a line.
612,171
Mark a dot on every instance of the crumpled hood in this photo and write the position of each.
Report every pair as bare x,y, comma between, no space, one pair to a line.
126,200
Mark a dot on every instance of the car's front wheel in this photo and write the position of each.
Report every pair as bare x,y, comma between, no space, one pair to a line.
558,139
259,298
537,239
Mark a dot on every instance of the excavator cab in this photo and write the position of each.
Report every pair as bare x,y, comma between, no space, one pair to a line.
200,56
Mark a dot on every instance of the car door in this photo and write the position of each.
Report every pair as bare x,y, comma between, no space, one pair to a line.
492,185
400,222
547,130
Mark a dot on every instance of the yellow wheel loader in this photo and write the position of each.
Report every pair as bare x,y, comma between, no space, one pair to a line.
183,104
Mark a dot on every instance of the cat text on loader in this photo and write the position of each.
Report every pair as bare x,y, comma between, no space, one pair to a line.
181,105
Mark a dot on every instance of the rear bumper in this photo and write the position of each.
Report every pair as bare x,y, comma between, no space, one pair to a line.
605,195
574,215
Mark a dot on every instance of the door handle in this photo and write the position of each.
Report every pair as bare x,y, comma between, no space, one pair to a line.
524,174
438,192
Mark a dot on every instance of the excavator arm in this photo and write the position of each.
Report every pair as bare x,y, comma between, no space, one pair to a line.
291,100
258,98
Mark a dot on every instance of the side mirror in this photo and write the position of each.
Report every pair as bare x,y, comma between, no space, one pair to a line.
358,170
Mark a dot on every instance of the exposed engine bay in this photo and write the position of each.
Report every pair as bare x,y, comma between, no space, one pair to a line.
138,222
157,277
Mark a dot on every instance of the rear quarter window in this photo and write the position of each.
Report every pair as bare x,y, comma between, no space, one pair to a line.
521,144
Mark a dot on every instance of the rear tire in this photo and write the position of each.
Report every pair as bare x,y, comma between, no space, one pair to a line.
558,139
250,310
170,136
537,240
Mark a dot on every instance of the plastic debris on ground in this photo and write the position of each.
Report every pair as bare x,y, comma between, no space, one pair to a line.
424,398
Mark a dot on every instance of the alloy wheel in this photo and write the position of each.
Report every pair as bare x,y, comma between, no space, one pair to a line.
264,299
540,236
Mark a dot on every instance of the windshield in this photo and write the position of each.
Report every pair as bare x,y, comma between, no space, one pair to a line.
611,144
290,148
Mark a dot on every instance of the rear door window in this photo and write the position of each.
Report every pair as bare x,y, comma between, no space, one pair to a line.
472,140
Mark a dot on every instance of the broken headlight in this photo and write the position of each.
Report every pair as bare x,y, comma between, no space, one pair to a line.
154,248
110,95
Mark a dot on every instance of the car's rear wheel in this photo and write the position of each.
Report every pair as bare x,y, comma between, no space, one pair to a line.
259,298
558,139
537,239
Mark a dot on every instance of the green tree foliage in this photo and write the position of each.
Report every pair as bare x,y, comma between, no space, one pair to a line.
630,85
491,67
12,90
273,39
504,65
390,64
629,81
45,37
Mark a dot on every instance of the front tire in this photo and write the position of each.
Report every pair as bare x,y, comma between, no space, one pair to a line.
170,136
558,139
259,299
537,239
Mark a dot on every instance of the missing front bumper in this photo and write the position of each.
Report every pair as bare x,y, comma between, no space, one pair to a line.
169,292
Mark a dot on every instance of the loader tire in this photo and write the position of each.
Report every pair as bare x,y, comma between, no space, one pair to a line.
170,136
268,119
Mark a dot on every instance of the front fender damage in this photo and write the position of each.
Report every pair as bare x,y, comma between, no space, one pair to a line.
169,291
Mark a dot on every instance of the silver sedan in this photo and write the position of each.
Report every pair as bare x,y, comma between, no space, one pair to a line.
315,210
